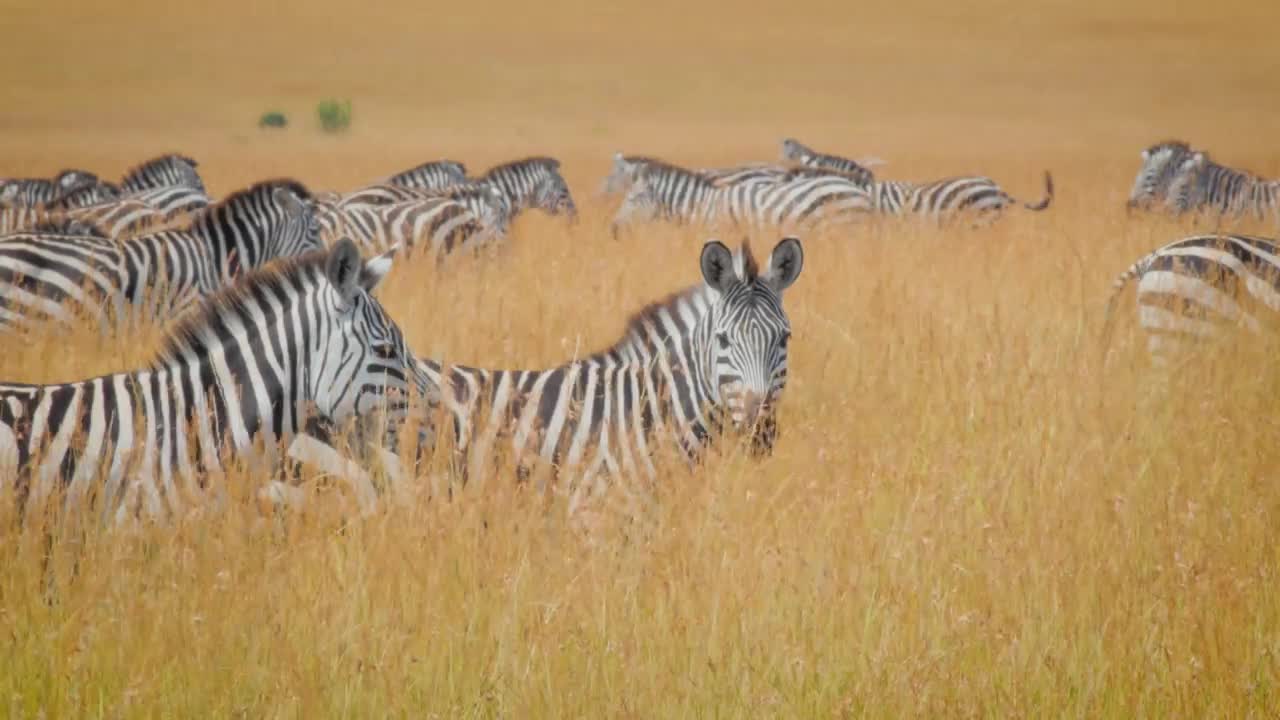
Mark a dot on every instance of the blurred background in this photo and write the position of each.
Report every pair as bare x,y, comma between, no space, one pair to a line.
917,83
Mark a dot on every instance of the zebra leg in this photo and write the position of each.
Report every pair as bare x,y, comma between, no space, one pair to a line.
309,451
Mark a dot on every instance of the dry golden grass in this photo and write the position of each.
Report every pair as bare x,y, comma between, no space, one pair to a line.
966,513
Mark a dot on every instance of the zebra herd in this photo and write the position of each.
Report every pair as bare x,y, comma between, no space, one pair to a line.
1191,289
276,341
810,189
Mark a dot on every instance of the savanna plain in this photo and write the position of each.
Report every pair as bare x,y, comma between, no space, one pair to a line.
968,512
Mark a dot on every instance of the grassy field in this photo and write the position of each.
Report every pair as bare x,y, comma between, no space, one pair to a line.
967,513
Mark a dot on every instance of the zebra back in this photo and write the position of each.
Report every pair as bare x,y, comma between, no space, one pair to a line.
797,152
434,175
437,224
163,171
28,193
95,194
1197,287
1205,185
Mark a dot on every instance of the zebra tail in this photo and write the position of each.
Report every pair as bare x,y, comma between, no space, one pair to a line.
1117,287
1048,194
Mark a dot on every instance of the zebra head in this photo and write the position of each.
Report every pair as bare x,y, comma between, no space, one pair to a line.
552,194
794,151
299,228
1160,167
69,181
624,173
640,204
1185,189
745,334
359,361
497,211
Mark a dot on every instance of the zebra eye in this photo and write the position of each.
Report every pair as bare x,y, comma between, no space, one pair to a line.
785,339
385,350
723,339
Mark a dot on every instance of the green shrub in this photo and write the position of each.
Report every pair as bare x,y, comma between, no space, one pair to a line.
335,116
273,119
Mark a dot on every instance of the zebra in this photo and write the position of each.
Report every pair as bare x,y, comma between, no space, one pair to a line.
805,156
666,192
163,171
64,276
111,215
141,212
710,358
1161,164
533,182
88,195
1202,184
301,338
439,225
21,219
434,175
949,198
1193,288
628,168
28,193
484,200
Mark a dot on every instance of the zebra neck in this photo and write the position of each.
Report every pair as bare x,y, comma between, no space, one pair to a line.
671,342
236,240
232,394
183,267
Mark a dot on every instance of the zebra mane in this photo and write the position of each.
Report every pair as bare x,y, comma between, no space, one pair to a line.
257,194
190,334
174,160
649,314
1170,145
549,163
655,166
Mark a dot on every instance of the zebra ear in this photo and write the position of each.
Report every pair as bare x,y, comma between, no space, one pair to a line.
344,268
717,265
785,263
377,268
291,203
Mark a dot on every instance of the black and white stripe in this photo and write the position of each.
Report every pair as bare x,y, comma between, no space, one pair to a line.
113,216
532,183
794,151
141,212
62,276
163,171
438,225
1161,164
802,198
95,194
712,356
434,175
41,192
301,338
972,196
1202,185
628,168
1193,289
